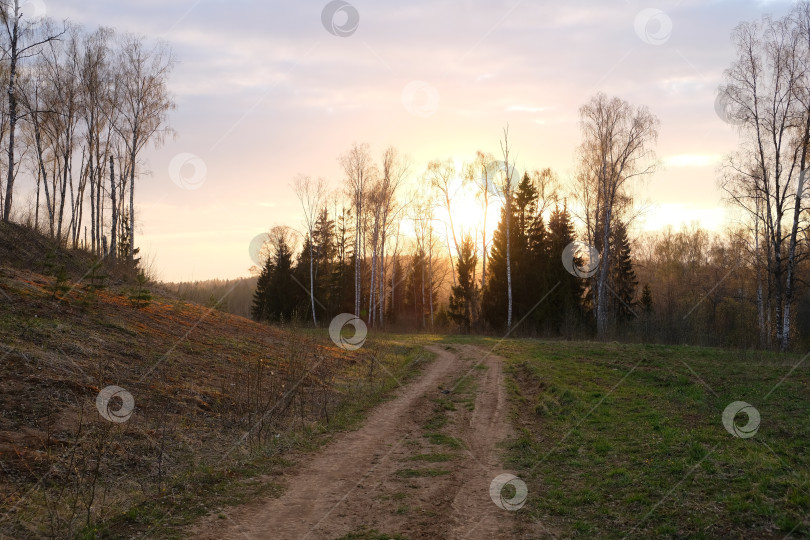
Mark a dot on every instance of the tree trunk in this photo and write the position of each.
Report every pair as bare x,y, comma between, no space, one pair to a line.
430,278
381,278
357,284
422,268
43,172
132,156
114,205
312,282
758,266
791,262
601,300
509,259
12,112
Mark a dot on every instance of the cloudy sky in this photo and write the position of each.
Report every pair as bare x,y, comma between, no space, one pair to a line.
268,89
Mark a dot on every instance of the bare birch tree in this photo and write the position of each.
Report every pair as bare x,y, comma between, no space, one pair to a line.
442,178
143,103
479,172
312,195
769,89
616,149
359,170
509,179
22,43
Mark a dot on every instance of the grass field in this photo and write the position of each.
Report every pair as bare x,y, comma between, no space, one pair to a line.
619,441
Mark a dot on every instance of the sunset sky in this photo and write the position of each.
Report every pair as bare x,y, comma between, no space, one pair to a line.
264,91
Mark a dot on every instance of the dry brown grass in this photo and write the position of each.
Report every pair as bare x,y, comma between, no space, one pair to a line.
211,390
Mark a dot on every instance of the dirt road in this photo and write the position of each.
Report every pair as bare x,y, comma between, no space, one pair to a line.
420,466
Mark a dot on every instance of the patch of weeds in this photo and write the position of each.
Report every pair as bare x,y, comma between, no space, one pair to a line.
371,534
432,458
445,405
421,473
437,421
445,440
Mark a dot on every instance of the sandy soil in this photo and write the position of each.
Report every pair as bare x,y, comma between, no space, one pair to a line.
361,480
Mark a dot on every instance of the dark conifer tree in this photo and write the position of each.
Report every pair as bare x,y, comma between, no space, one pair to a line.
623,278
646,299
278,298
564,305
463,297
259,309
494,301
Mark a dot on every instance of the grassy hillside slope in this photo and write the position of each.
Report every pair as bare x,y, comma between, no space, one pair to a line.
215,401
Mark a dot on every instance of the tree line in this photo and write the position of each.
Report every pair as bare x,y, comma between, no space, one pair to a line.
394,255
80,108
744,286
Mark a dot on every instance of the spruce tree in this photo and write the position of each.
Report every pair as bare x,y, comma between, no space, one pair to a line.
526,196
259,309
622,277
286,296
277,296
495,300
464,294
565,304
646,299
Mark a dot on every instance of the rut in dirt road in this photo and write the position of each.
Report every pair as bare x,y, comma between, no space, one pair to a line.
420,466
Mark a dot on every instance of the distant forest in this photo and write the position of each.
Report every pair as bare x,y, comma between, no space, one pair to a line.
229,295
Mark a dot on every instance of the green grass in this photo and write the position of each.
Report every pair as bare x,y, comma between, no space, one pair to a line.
464,392
444,440
372,534
421,473
432,458
618,439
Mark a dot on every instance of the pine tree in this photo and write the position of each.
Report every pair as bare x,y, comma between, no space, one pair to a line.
622,277
464,294
277,296
141,297
326,285
259,309
526,196
646,299
495,300
530,253
564,305
286,297
527,276
343,277
301,274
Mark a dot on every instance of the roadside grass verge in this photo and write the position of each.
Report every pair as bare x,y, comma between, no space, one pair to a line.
208,489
